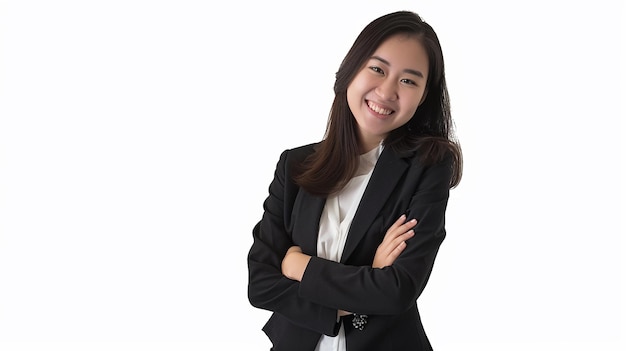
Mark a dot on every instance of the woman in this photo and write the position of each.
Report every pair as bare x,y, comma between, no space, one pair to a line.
352,224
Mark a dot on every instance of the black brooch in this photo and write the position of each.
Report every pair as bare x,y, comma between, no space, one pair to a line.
359,321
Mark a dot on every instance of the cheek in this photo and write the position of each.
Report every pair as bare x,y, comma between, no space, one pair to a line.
409,110
353,88
353,102
354,94
414,101
422,97
360,84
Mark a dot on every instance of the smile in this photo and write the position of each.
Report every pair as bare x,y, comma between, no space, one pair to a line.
379,109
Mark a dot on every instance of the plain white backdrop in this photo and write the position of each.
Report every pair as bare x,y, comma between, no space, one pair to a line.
138,139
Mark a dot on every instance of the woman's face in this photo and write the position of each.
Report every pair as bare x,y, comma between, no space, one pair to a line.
387,90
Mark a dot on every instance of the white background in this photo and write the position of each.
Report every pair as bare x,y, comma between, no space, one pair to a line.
138,139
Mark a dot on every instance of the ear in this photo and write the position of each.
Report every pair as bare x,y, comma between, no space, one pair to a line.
423,96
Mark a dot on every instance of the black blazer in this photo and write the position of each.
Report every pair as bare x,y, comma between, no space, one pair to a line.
305,310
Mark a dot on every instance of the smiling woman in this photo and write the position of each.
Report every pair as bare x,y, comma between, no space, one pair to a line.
386,92
353,223
138,138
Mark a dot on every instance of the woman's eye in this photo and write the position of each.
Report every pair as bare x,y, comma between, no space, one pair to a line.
377,69
408,81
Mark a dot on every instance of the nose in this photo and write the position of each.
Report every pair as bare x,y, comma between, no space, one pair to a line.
387,90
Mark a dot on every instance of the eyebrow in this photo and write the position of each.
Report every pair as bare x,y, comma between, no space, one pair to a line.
406,70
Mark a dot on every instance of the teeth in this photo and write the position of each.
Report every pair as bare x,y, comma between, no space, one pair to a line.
378,109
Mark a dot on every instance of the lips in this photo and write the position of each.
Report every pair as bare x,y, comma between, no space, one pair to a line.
379,109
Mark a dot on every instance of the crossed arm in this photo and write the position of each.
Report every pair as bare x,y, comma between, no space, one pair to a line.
295,261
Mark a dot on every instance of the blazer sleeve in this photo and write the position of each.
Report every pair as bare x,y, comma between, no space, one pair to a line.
392,289
268,288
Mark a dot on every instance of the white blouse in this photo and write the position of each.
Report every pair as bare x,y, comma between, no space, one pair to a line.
335,222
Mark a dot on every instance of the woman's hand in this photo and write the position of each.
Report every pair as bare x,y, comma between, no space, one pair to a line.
394,242
294,263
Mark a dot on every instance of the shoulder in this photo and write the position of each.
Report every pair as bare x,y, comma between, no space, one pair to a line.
431,152
299,153
307,148
435,168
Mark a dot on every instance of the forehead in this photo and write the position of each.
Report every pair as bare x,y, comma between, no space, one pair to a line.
404,50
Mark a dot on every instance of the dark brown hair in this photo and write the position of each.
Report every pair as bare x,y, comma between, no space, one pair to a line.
429,132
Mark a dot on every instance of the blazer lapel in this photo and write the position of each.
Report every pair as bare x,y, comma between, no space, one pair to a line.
308,209
388,170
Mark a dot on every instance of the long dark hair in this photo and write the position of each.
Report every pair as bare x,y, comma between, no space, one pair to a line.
429,132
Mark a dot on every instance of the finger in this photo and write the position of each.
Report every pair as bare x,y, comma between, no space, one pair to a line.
403,225
395,253
401,238
398,250
394,232
398,223
408,225
389,246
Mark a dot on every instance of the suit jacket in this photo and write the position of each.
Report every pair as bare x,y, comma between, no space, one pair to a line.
303,311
